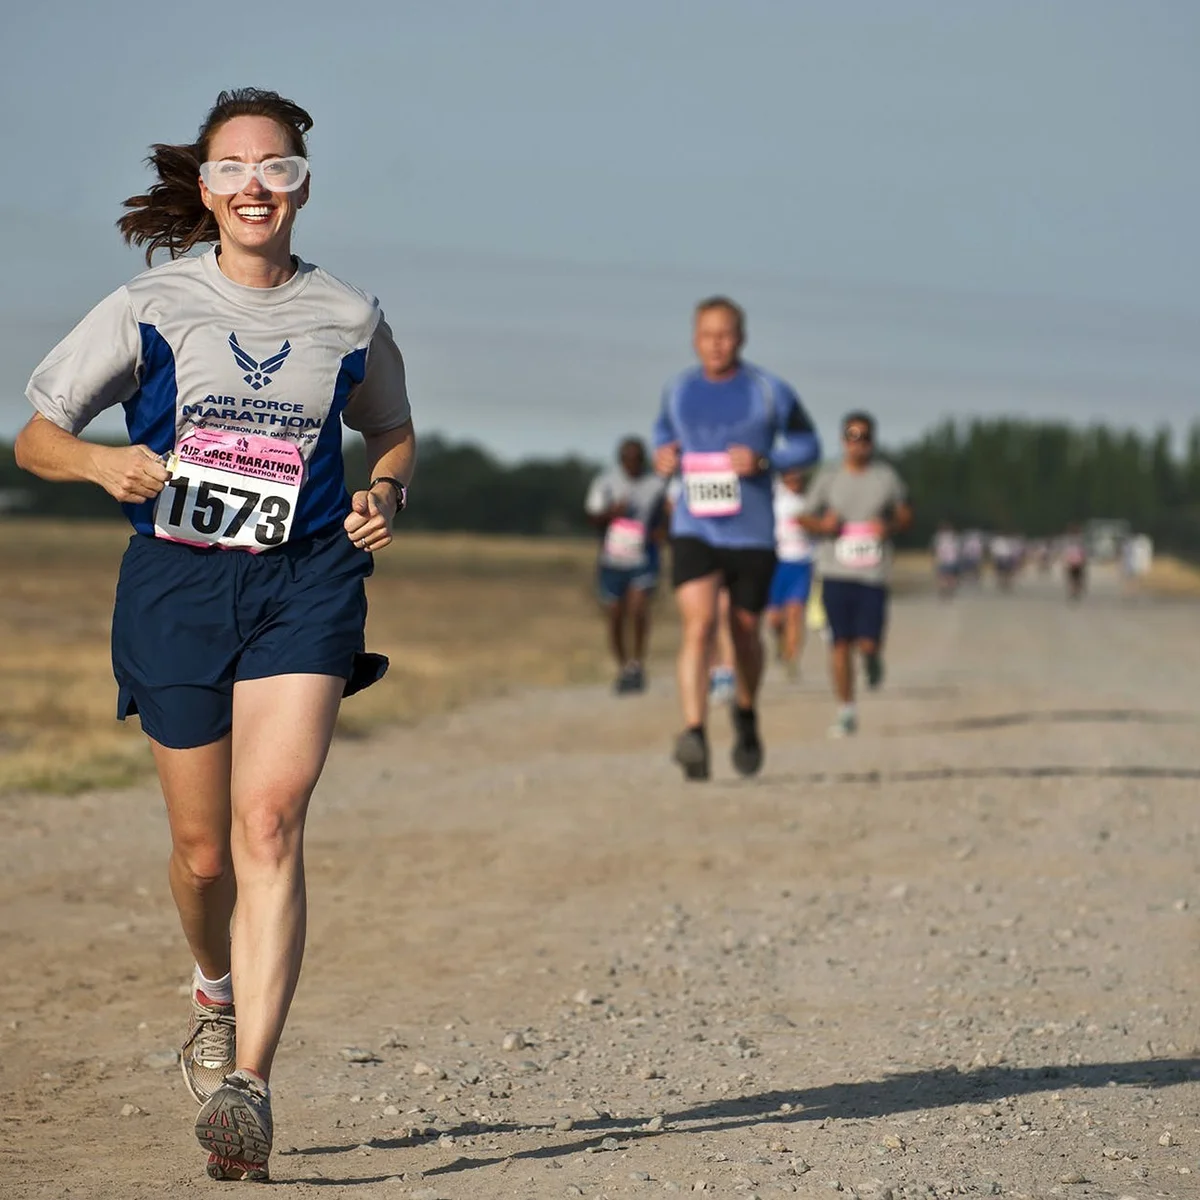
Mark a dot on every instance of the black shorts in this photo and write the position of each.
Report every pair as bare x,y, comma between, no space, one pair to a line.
190,622
746,572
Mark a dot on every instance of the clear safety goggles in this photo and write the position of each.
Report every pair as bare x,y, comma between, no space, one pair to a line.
227,176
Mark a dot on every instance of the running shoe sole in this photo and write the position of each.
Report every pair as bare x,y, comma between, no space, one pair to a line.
233,1134
692,755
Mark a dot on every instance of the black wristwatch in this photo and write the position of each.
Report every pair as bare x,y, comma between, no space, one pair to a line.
401,490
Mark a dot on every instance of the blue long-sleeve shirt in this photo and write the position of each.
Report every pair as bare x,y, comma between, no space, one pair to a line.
755,409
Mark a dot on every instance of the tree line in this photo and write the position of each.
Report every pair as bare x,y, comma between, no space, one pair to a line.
1033,477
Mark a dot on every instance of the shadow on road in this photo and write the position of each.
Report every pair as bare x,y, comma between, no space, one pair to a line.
906,1092
933,774
1065,716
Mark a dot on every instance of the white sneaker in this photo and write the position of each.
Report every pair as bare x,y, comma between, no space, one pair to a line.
846,725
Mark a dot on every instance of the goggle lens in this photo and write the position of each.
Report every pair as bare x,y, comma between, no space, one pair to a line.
228,176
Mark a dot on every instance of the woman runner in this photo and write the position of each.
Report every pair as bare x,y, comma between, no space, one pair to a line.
240,608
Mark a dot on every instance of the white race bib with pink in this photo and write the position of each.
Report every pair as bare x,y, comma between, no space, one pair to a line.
858,546
625,542
711,485
792,541
236,491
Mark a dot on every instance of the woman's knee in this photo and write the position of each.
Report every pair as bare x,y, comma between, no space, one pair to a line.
203,858
268,827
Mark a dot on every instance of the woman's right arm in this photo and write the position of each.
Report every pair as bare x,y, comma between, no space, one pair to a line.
127,473
93,368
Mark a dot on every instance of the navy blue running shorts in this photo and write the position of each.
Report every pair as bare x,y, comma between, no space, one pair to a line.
855,611
189,622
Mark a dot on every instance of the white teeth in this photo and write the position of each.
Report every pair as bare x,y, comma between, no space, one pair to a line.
258,210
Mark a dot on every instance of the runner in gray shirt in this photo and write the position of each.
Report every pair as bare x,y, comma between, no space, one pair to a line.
627,505
856,507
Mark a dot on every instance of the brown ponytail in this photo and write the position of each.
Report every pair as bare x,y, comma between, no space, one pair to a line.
171,215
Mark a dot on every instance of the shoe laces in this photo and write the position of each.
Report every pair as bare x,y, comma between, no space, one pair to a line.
212,1036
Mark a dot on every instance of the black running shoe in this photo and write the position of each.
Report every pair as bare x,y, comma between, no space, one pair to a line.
631,679
874,668
691,753
747,749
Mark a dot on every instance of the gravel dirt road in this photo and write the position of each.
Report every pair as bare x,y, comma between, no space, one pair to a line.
954,955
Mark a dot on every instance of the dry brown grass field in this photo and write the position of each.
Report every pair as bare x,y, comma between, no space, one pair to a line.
462,617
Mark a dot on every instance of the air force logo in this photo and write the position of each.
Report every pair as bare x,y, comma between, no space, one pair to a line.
258,374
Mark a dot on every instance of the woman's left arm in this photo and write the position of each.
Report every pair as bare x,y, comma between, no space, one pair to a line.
390,456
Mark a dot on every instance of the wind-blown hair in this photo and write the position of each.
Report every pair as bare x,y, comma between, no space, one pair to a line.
171,216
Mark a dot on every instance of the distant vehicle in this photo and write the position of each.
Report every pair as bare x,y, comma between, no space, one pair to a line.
1105,537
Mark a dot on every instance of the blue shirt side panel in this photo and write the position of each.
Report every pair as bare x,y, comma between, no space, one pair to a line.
798,444
323,499
150,412
709,417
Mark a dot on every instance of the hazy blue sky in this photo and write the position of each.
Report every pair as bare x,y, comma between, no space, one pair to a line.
928,208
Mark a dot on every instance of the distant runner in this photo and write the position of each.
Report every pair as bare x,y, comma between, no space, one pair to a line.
947,559
1004,551
972,555
722,668
856,507
1074,561
792,582
726,425
627,505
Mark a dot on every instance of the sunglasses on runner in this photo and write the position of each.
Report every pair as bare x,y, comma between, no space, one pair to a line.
856,435
227,176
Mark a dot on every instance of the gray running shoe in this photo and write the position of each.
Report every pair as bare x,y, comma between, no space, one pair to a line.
209,1051
236,1129
691,753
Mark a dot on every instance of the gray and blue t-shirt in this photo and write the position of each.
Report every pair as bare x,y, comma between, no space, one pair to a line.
183,348
859,498
629,541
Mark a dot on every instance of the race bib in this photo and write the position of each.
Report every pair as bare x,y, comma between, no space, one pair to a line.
858,546
230,490
793,543
625,542
711,485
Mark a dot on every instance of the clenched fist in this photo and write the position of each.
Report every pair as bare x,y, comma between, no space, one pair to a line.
129,474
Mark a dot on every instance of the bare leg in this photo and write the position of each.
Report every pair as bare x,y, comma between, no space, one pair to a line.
697,603
744,633
615,612
723,653
793,633
195,785
639,614
282,728
841,663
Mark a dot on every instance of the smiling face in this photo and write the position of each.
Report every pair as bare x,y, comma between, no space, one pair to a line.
255,221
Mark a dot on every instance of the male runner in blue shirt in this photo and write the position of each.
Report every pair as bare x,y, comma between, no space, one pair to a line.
726,426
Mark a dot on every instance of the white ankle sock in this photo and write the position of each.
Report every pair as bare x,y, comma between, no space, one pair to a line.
220,990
